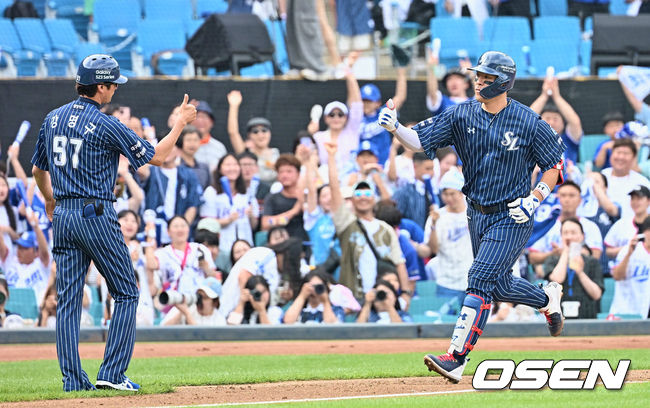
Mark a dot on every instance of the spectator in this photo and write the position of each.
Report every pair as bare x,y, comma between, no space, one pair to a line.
29,265
446,160
207,233
399,167
239,249
211,149
204,312
227,201
182,265
381,306
8,215
560,116
456,81
171,190
258,138
359,264
47,315
447,233
255,188
353,25
586,8
641,109
258,261
369,170
579,273
312,305
285,208
290,254
569,197
612,123
415,199
188,144
7,318
621,179
626,228
632,270
128,193
511,7
254,304
304,38
342,126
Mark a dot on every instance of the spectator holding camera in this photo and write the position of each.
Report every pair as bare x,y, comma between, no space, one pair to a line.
632,275
623,230
7,318
203,310
312,305
254,304
382,306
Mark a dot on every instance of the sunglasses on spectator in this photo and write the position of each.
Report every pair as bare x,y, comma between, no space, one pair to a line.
259,130
335,114
363,193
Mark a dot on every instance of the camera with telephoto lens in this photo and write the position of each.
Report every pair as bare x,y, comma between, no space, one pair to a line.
381,295
319,289
171,297
256,294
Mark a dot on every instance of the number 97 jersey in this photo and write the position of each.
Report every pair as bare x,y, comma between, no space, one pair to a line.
80,147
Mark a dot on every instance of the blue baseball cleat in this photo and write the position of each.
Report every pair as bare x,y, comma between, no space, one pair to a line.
126,385
446,365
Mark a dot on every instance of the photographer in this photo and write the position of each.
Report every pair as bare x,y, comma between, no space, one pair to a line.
253,306
382,306
312,305
201,312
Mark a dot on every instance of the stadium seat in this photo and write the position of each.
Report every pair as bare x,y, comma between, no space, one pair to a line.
39,5
588,146
514,29
23,302
425,288
603,316
618,7
261,237
116,27
34,38
62,33
155,36
74,10
85,49
277,34
169,10
560,28
561,55
96,310
585,56
261,70
447,29
440,304
515,50
553,8
206,7
589,24
192,27
608,295
25,62
3,5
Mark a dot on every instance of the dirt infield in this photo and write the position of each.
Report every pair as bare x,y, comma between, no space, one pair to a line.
305,389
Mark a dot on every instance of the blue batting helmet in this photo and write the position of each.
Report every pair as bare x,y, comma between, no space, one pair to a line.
501,65
99,69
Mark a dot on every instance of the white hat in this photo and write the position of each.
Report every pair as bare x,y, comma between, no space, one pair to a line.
335,105
211,287
210,224
452,179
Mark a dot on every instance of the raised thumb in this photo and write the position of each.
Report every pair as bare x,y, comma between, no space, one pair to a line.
390,104
185,99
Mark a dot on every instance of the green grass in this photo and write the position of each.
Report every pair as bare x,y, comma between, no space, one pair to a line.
632,395
34,380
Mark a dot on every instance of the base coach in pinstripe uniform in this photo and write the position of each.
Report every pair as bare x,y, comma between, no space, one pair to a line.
75,166
499,141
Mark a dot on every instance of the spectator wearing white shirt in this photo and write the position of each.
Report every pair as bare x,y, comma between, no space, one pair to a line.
254,304
8,215
620,234
632,275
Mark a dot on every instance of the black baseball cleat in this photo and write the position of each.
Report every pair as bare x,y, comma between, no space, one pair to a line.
446,365
553,310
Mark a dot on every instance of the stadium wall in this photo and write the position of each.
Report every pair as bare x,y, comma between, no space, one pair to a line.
285,102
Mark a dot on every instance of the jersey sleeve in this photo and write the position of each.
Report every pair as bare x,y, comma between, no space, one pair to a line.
39,159
548,146
123,140
436,132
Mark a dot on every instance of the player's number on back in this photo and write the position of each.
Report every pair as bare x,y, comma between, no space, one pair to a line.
60,152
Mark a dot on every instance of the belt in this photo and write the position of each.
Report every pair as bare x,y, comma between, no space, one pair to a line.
488,209
80,203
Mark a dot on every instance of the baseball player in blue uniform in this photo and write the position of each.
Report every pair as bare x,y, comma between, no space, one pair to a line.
499,141
75,167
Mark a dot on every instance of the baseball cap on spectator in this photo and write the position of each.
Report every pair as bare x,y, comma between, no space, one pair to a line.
209,224
366,147
641,191
27,240
452,179
335,105
613,117
204,107
455,71
370,92
362,185
258,122
211,287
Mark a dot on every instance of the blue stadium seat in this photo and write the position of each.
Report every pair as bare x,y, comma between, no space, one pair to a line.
62,33
23,302
3,5
97,312
85,49
155,36
618,7
115,27
425,288
206,7
588,146
192,27
440,10
553,8
26,62
169,10
585,56
277,34
71,9
589,24
39,5
448,29
515,50
562,29
34,38
561,55
515,29
261,70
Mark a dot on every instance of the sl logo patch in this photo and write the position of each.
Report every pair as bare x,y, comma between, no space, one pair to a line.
510,141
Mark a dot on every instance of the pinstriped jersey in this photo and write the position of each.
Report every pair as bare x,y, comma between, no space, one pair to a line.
80,147
499,152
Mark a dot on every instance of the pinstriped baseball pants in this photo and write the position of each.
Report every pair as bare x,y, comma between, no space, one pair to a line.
77,241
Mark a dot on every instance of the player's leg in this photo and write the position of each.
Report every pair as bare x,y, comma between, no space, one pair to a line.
111,256
71,268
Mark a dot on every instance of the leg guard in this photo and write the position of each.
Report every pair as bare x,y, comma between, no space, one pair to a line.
473,317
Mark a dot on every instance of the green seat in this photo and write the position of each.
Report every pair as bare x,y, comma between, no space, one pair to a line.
608,295
588,145
96,310
23,302
261,237
422,304
425,288
603,316
422,318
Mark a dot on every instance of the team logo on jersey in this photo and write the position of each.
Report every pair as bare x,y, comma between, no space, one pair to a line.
510,141
471,130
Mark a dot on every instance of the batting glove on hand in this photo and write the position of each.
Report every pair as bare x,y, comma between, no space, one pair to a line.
388,117
522,209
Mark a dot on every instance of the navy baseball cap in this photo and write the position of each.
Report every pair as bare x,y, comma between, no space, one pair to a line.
27,240
203,106
370,92
99,69
641,191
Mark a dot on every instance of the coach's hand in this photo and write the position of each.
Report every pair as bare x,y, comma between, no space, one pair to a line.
187,112
522,209
388,116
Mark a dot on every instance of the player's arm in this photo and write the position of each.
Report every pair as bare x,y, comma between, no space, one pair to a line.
234,102
186,115
573,123
44,184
